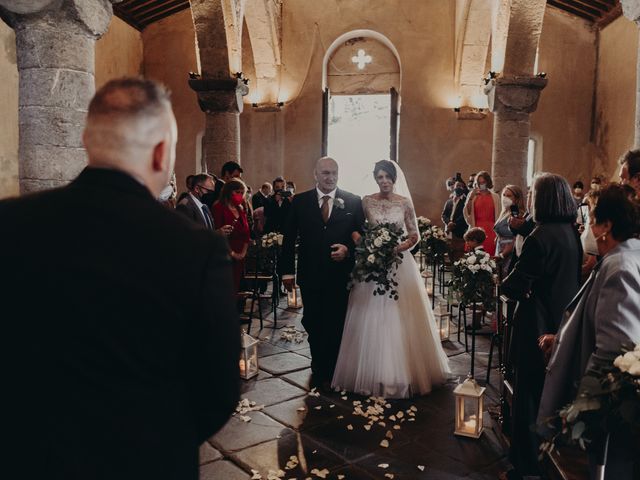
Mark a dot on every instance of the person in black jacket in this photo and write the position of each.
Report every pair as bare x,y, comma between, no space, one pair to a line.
453,218
124,340
324,219
543,281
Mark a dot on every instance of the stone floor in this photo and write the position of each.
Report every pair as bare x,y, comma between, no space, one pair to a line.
329,441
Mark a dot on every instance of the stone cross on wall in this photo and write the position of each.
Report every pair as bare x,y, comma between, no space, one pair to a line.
361,59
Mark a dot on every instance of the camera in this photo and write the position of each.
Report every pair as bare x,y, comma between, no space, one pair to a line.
283,193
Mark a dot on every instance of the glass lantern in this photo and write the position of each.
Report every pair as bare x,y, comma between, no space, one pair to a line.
294,299
443,322
469,397
248,357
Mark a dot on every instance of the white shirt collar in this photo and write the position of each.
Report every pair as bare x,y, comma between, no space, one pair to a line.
332,194
197,201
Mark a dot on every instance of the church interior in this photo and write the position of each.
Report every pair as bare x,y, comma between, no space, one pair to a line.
511,87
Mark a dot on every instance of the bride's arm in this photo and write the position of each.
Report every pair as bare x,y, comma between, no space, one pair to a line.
411,224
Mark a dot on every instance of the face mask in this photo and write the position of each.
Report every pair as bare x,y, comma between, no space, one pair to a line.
577,191
459,191
482,186
506,202
208,198
595,186
291,190
237,198
166,193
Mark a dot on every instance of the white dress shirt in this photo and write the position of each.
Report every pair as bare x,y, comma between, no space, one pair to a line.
332,196
199,204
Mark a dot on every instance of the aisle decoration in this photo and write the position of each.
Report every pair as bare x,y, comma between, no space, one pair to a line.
473,279
608,401
272,240
377,259
433,239
248,357
469,398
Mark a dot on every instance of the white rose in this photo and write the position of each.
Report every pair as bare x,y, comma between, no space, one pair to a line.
637,349
483,260
471,259
371,259
492,264
280,239
624,362
378,242
635,369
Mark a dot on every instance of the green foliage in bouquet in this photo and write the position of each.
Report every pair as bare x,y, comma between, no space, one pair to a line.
376,258
473,279
433,240
608,401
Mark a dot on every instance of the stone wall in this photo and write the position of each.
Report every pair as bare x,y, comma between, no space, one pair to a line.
9,119
616,86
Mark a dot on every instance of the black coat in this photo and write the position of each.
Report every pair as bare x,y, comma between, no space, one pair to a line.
258,200
189,209
458,216
275,215
124,341
315,266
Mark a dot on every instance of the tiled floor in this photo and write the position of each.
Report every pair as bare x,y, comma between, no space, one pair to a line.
322,432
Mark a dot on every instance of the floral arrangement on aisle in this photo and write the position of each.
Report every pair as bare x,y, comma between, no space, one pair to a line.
377,259
433,239
608,401
271,240
473,279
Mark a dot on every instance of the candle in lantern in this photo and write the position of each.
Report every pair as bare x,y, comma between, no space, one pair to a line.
243,370
470,425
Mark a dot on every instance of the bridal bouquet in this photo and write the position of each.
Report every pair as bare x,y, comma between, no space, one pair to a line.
433,239
272,240
472,279
377,259
608,401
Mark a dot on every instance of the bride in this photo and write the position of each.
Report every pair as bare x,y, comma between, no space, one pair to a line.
391,348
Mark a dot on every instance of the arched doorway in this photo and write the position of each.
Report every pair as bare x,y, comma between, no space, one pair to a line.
361,79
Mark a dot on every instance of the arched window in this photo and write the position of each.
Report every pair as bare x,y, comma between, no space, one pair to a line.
534,157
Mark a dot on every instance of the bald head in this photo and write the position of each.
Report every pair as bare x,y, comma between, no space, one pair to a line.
131,127
326,174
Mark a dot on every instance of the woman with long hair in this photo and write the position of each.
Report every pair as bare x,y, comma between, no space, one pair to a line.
505,238
482,208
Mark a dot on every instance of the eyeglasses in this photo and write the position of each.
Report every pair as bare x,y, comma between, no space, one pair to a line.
208,190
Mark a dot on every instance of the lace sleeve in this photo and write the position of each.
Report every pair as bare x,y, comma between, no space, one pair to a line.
411,222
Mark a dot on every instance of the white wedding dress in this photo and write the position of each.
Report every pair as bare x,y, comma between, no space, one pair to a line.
391,348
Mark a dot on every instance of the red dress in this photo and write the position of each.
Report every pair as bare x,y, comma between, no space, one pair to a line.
223,215
485,215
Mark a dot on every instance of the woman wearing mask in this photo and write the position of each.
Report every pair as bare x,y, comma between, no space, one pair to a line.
482,208
229,211
589,244
505,243
602,319
578,192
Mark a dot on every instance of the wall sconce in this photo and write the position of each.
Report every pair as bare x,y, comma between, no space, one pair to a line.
470,113
268,107
541,75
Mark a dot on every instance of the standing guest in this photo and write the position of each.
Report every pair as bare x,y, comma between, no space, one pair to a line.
189,185
588,240
167,196
522,225
231,170
578,192
596,183
630,170
472,181
137,373
229,211
291,188
277,207
260,198
512,201
543,281
193,206
454,221
603,318
483,207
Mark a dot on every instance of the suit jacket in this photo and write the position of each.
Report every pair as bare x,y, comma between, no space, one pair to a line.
454,212
544,280
189,209
258,200
315,267
115,371
276,215
602,318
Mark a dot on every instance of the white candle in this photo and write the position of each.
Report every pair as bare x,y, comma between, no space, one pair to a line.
470,425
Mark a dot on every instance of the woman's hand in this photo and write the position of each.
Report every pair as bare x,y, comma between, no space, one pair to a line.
545,342
226,230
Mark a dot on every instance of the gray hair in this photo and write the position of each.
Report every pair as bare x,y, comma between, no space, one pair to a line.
553,201
130,97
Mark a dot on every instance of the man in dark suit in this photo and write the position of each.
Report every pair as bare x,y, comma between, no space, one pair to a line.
324,219
453,218
111,370
260,198
192,205
276,208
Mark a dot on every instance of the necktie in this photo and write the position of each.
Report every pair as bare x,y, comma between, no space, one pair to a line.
207,217
324,209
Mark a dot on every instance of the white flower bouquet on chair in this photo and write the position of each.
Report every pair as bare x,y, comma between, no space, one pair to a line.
473,279
377,258
272,240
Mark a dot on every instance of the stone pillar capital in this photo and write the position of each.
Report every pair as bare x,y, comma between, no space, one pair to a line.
631,10
219,95
91,16
515,94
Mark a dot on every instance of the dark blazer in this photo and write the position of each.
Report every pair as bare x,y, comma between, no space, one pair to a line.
258,200
458,216
315,266
116,372
189,209
275,215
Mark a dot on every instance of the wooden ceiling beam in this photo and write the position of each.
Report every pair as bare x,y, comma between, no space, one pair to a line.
567,8
576,6
167,13
154,10
591,5
612,15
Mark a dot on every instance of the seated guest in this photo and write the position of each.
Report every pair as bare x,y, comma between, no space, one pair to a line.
512,201
601,320
482,208
260,198
453,219
277,207
189,184
630,170
543,281
474,239
229,212
116,373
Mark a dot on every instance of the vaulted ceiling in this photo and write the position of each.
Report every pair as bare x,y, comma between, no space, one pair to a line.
140,13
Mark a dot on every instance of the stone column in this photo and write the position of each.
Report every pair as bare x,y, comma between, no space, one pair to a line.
55,53
221,100
631,10
512,100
